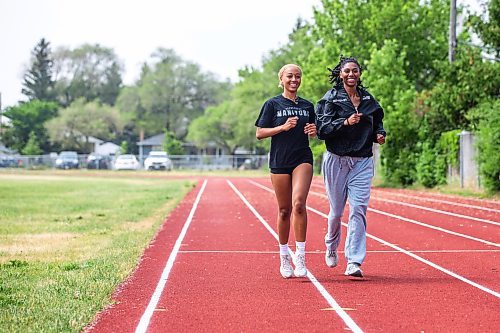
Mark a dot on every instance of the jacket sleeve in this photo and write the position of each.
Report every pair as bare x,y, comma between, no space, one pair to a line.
328,123
378,125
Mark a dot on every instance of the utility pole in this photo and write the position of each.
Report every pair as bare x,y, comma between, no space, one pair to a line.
453,31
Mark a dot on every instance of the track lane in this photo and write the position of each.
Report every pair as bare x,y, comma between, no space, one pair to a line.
454,200
402,234
226,277
425,205
133,295
462,227
404,282
477,210
398,294
485,203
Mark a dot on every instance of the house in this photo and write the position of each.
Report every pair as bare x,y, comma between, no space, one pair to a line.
5,121
106,148
101,147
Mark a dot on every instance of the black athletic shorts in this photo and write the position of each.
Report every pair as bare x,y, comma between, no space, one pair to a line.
289,171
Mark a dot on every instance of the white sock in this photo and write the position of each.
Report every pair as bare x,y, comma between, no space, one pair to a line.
301,247
283,249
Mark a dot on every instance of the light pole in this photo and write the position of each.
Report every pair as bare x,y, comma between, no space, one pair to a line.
453,31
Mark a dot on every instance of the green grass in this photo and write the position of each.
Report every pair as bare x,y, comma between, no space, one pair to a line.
67,242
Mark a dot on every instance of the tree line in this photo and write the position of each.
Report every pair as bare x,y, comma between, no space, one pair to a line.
402,46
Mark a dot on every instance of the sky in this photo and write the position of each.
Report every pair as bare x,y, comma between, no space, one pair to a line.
222,36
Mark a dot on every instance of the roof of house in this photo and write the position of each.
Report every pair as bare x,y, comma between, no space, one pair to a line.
158,139
154,140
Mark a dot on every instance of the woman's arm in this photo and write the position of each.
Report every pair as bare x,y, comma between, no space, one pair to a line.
378,126
262,133
328,123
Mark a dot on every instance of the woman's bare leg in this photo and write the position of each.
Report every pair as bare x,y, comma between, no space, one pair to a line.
301,182
282,184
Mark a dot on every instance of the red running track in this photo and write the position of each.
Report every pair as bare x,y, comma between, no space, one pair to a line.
214,267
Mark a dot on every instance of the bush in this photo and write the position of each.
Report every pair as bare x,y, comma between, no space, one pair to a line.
487,117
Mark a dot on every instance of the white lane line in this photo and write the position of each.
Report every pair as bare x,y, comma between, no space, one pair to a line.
452,197
148,313
436,210
331,301
384,193
422,224
425,261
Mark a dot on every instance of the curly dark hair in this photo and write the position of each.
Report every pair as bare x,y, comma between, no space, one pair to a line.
334,75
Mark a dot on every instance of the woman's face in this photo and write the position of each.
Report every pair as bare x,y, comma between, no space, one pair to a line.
350,74
291,78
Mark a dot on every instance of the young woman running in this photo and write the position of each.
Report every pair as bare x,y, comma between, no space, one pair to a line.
349,119
289,120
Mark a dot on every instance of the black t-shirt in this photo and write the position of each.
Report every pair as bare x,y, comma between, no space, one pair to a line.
288,148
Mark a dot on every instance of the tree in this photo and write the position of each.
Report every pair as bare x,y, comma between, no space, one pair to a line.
488,28
172,145
216,125
351,27
29,118
398,155
38,83
75,125
463,85
486,120
124,149
90,72
170,93
32,146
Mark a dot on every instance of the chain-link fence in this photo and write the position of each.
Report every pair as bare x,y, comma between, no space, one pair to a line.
185,162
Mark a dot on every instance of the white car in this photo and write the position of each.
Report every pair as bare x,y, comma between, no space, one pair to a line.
127,162
157,160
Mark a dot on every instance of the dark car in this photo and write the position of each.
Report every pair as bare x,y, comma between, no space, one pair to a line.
98,162
67,160
8,162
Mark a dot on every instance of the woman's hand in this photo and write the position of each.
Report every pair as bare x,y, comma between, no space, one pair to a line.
353,119
310,129
380,139
290,123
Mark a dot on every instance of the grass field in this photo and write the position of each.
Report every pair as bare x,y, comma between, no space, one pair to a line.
67,240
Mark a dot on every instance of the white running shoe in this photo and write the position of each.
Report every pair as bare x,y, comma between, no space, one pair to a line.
353,270
331,258
286,269
300,265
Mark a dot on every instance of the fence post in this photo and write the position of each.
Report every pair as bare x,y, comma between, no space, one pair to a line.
469,175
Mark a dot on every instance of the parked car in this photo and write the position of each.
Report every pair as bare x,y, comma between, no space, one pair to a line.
67,160
95,161
127,162
8,162
157,160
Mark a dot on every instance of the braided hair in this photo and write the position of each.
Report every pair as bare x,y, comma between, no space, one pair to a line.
334,76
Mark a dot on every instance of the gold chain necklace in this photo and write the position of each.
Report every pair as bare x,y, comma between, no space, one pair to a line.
295,100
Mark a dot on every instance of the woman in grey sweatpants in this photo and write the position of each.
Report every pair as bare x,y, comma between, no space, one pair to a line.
349,119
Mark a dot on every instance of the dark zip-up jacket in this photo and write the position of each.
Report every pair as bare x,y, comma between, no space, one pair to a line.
349,140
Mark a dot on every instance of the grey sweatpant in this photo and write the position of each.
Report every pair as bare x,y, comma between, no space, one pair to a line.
348,177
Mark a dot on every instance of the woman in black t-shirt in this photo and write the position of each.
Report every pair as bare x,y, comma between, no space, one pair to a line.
289,120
